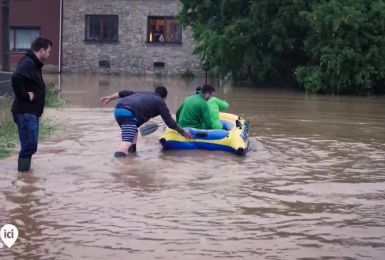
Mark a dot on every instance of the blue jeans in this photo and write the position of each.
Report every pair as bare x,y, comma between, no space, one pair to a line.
28,128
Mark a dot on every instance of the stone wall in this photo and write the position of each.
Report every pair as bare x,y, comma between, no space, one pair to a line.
130,54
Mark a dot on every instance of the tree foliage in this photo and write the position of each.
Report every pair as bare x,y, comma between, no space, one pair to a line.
325,46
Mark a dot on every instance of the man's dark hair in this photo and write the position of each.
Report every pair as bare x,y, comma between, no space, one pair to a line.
207,89
39,43
198,90
161,91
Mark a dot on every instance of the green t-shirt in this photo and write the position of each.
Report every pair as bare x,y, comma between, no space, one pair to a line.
215,106
194,113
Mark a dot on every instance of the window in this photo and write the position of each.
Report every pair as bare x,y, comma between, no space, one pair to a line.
102,28
20,38
163,29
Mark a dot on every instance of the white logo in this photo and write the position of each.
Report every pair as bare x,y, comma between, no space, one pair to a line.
9,234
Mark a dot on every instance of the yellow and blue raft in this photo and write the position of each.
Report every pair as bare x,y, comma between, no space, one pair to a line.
234,137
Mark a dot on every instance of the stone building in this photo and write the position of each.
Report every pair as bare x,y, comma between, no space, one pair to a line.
126,36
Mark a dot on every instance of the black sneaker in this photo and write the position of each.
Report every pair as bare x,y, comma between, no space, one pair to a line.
119,155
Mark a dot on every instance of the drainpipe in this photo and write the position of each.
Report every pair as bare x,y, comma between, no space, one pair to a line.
5,34
60,34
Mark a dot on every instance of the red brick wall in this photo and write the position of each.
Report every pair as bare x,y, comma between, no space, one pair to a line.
40,13
1,46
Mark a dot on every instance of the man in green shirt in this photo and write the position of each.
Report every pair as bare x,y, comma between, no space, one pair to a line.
194,111
216,105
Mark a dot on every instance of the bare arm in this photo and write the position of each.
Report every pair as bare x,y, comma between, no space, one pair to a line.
121,94
107,99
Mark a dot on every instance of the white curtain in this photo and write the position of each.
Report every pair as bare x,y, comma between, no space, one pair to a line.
21,39
11,39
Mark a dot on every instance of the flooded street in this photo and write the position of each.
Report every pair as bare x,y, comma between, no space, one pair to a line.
312,185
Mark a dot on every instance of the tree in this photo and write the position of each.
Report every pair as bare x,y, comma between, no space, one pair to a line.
260,40
324,46
346,44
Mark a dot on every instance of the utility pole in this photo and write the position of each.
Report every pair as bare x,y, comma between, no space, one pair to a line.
206,67
5,34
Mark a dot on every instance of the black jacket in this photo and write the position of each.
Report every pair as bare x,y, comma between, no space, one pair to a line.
146,105
28,78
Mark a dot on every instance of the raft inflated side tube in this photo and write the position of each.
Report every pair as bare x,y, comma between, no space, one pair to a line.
233,138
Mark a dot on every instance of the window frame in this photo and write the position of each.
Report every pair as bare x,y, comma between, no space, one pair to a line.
101,23
164,18
15,28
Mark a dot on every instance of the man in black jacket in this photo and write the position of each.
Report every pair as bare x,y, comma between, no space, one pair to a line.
136,108
28,105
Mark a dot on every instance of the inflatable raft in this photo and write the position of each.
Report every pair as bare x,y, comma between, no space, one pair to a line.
234,137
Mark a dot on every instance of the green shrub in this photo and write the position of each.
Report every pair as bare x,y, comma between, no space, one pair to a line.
334,46
346,44
8,129
52,98
187,74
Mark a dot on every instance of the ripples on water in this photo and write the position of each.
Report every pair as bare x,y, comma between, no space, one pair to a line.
311,187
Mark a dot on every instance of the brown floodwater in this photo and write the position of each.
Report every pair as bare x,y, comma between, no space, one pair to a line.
311,187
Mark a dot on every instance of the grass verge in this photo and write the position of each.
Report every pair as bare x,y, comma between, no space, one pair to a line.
8,130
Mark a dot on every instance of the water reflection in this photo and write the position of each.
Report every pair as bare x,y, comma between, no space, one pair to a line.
270,111
85,89
23,199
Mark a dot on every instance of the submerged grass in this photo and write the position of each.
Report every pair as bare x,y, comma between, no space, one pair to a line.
8,129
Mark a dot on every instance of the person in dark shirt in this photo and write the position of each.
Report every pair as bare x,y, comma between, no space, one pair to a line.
136,108
28,105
